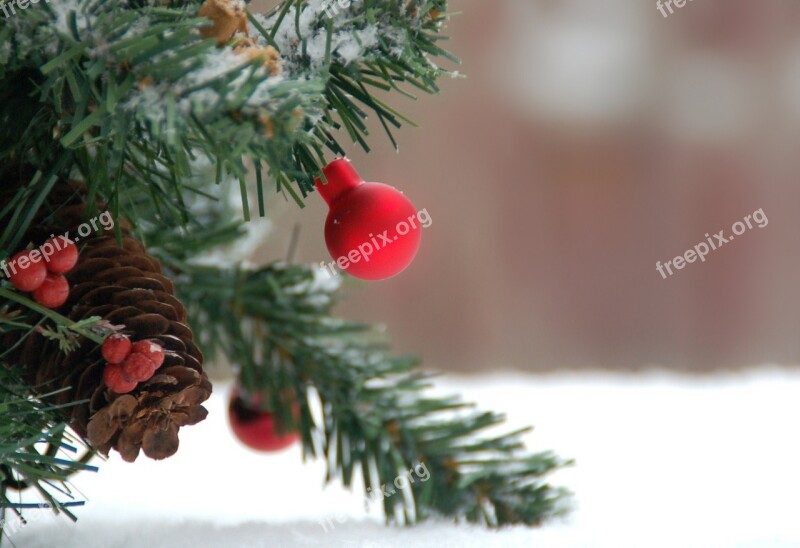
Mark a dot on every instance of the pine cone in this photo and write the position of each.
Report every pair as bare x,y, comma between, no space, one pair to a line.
125,286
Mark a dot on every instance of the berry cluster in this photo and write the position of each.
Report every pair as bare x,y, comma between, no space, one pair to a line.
129,363
43,274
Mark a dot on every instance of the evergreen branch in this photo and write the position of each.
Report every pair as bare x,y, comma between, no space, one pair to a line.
131,96
369,46
362,409
25,422
86,328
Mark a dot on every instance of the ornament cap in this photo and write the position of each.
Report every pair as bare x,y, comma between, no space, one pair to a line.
341,176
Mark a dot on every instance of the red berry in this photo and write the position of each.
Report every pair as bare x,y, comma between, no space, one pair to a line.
152,350
117,348
27,274
138,367
116,381
63,258
53,292
257,429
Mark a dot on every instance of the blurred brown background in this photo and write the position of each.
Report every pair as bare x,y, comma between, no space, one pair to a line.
588,141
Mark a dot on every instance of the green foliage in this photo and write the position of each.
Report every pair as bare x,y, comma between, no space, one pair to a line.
36,450
126,97
362,410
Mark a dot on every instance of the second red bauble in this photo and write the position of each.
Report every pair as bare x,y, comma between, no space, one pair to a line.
255,428
372,230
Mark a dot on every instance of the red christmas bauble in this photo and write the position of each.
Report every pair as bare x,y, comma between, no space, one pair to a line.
255,428
53,292
25,274
372,230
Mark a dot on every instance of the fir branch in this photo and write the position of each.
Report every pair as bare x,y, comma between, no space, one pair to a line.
129,97
373,415
25,422
93,329
368,46
362,410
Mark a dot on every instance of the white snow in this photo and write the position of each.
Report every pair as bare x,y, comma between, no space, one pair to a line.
349,41
322,282
62,10
662,460
150,102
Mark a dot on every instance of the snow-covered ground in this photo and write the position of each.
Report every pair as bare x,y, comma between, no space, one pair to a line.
662,460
